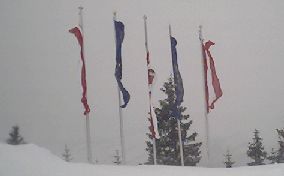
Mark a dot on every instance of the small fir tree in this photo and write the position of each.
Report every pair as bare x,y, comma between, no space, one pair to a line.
117,159
15,137
67,155
280,152
256,150
228,160
168,144
273,156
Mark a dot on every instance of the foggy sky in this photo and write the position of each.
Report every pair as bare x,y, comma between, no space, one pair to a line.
40,72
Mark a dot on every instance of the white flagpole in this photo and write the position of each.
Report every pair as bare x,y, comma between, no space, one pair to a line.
88,135
178,122
180,143
205,103
150,93
122,141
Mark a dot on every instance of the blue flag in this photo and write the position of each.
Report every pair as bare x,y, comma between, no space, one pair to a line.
119,34
179,92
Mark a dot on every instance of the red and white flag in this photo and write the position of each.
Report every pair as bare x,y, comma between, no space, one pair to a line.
153,117
212,82
78,34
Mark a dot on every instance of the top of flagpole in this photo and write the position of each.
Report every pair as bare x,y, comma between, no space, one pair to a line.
81,17
114,15
145,17
170,30
114,19
146,33
200,33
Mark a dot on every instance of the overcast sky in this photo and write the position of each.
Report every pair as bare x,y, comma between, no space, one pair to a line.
40,72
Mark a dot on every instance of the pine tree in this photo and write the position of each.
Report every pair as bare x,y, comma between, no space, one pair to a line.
273,156
168,144
256,150
228,162
117,159
15,137
67,155
280,152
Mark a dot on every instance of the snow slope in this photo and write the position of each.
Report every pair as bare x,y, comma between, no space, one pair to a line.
31,160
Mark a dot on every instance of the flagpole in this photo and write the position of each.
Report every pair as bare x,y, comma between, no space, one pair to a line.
122,140
178,122
180,143
88,135
205,103
153,137
150,93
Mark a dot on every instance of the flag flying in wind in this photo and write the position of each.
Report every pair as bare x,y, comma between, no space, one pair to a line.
151,73
153,117
77,32
214,78
179,91
119,34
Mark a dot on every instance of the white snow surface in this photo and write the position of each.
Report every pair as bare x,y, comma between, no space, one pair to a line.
31,160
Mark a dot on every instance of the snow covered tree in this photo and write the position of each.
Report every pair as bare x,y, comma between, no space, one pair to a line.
273,156
228,160
117,159
15,137
280,152
168,144
256,150
67,155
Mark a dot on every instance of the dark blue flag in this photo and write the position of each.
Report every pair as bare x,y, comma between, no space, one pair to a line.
177,80
119,34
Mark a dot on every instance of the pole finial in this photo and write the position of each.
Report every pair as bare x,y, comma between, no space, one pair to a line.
146,33
145,17
80,16
114,15
80,9
170,30
200,33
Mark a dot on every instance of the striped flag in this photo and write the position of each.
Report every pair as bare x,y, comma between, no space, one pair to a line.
211,98
179,91
153,117
78,34
119,34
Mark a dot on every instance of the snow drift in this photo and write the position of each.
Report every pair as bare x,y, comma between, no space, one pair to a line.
31,160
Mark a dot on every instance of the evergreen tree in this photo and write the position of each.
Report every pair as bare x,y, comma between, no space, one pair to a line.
273,156
15,137
228,160
280,152
168,144
117,159
67,155
256,150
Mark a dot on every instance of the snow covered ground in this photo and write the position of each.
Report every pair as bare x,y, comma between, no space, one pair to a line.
31,160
